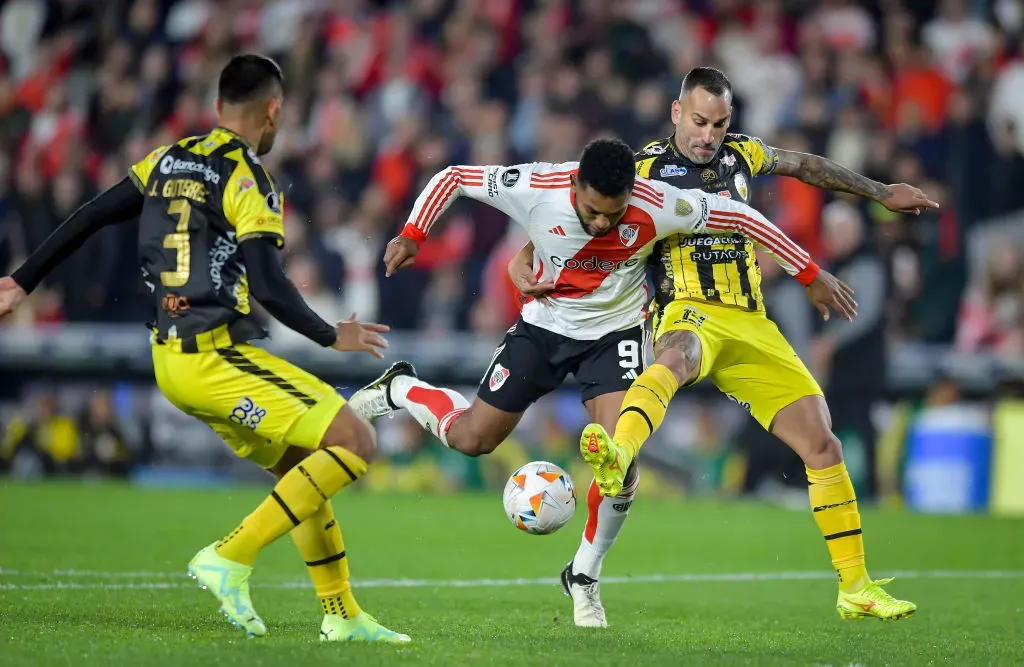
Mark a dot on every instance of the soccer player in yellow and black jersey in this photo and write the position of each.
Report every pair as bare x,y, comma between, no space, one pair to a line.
210,229
710,322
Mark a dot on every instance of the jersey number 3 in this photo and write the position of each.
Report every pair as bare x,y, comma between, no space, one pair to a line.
179,242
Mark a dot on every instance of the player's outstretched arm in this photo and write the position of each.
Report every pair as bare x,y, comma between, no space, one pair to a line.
824,290
120,203
253,205
271,287
505,188
824,173
700,212
697,211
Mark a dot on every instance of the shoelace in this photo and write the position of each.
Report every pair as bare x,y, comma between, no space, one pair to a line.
880,595
594,598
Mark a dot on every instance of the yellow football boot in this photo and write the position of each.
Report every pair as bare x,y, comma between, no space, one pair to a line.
608,459
872,601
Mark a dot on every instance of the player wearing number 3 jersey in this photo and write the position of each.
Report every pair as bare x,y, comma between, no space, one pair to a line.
593,224
210,225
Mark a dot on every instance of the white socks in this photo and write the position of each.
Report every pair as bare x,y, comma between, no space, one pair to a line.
606,517
435,408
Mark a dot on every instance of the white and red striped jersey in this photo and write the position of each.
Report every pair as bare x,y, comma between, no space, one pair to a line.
599,281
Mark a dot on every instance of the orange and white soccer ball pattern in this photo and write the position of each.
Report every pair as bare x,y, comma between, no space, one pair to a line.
539,498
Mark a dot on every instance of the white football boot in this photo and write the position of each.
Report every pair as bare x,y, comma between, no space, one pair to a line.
587,610
374,400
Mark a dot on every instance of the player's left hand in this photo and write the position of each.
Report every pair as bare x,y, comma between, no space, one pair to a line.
828,291
11,294
353,336
907,199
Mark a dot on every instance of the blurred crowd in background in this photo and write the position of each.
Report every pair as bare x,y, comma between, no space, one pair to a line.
382,95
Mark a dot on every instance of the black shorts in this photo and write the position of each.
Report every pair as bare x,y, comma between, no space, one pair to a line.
532,362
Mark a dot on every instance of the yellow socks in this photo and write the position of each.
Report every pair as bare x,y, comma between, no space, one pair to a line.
643,408
297,496
834,505
319,541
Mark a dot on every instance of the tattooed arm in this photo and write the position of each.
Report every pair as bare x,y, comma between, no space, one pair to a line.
824,173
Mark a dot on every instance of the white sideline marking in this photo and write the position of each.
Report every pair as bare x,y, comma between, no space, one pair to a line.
148,584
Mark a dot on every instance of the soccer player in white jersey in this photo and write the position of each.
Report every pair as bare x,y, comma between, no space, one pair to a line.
593,224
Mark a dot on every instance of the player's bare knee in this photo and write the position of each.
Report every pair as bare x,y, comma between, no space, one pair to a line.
473,443
680,352
364,441
680,366
832,447
823,451
352,432
675,362
486,445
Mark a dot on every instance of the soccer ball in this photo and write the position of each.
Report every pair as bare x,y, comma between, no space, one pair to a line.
539,498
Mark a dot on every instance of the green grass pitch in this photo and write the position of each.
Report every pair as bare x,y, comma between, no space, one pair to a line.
95,574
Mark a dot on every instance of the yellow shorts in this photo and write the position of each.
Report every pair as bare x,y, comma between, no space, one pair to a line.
260,404
744,354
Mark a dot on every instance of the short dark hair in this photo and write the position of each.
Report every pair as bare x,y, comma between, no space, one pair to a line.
710,79
607,166
249,77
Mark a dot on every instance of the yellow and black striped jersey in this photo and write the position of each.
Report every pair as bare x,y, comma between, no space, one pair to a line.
712,267
204,195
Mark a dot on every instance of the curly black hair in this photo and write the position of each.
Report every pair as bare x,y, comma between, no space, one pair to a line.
607,166
710,79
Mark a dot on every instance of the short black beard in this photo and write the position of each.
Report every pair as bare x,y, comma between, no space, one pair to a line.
261,150
584,227
579,218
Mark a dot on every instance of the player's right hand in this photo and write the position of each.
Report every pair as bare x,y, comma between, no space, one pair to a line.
527,284
400,253
520,271
353,336
907,199
11,294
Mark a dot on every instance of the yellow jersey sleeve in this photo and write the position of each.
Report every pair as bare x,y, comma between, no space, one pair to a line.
643,167
141,170
656,147
761,158
646,158
252,203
